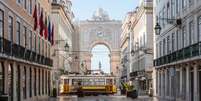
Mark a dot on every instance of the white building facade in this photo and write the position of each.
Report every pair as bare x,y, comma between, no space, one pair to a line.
62,16
142,47
126,48
177,50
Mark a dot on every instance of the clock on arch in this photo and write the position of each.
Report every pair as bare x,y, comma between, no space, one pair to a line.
100,34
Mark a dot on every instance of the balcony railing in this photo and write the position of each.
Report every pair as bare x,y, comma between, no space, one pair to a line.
11,49
185,53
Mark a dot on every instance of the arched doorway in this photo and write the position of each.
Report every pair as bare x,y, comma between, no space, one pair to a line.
100,58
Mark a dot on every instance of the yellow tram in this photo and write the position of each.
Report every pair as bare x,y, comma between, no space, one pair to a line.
87,84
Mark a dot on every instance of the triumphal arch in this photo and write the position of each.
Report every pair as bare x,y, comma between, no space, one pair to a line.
100,29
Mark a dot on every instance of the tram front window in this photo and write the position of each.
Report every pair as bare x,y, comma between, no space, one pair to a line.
66,81
109,82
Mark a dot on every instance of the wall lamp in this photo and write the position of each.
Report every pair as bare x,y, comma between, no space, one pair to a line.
66,47
158,28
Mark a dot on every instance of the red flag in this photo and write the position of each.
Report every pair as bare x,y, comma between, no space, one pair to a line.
52,41
41,24
35,18
46,31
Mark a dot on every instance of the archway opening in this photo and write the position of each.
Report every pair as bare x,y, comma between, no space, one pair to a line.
100,59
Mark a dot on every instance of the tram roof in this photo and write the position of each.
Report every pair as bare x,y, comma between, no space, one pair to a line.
92,76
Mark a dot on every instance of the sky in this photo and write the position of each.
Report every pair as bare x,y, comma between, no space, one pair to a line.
100,53
117,9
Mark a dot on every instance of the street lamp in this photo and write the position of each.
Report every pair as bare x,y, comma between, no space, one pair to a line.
66,47
158,28
132,52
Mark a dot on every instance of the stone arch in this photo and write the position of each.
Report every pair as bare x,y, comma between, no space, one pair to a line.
97,42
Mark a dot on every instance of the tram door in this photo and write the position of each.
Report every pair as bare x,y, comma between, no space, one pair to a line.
66,85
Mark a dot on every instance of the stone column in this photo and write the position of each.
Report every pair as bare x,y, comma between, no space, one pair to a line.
187,83
159,81
32,80
21,81
37,78
5,66
166,85
180,83
154,77
14,82
158,88
195,70
115,62
40,79
27,81
162,83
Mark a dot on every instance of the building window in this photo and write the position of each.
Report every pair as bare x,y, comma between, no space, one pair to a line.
173,41
172,8
168,44
18,32
168,10
39,10
160,48
18,1
39,44
33,40
164,45
157,52
30,6
190,2
25,36
49,50
199,29
25,4
184,37
177,39
184,3
177,6
30,39
24,80
10,28
191,33
163,17
1,78
1,23
43,47
1,29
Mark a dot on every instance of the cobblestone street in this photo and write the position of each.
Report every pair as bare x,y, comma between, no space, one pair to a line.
101,98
